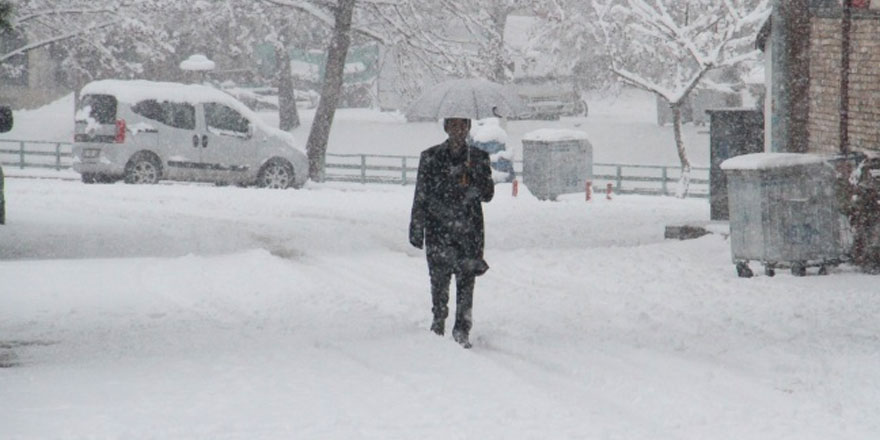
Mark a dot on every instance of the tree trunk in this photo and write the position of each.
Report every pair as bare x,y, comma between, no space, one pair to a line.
5,16
288,117
685,181
496,43
331,89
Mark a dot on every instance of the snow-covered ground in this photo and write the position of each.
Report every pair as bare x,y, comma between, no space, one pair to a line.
186,311
179,311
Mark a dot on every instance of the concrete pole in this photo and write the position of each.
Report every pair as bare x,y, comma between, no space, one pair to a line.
790,42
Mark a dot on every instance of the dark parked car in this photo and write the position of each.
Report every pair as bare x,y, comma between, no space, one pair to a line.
5,125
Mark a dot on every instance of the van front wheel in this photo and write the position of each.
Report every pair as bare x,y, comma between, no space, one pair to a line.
142,169
275,174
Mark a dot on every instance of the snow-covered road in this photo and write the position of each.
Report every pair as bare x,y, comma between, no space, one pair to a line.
188,311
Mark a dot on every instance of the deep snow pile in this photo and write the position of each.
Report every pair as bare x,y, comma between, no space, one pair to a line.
188,311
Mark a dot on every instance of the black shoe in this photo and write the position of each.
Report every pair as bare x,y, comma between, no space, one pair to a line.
462,338
438,327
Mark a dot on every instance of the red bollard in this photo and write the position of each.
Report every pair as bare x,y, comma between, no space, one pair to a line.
515,187
588,190
608,190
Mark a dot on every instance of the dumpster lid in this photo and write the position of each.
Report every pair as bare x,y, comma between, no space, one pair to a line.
554,134
766,161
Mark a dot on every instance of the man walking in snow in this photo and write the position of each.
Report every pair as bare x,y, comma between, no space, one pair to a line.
447,217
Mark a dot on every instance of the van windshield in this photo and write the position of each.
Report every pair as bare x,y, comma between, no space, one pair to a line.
101,108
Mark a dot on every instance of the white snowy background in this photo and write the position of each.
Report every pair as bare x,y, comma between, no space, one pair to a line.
178,311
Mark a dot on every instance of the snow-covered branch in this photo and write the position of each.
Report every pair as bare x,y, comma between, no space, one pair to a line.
54,39
62,11
327,18
306,7
669,47
90,37
709,33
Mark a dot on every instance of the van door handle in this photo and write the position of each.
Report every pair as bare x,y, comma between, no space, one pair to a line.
204,141
195,141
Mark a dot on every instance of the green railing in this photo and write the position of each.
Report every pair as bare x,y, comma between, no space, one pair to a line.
35,154
625,179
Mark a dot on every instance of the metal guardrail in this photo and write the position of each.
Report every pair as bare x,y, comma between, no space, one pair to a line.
396,169
58,153
625,179
661,179
372,168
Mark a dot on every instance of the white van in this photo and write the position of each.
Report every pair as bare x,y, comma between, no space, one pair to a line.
144,131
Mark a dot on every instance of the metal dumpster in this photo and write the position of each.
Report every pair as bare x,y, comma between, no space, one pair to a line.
784,212
556,162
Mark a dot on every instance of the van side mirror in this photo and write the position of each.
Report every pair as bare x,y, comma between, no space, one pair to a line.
250,132
5,119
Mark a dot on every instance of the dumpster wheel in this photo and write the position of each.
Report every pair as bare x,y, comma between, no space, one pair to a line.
799,269
743,270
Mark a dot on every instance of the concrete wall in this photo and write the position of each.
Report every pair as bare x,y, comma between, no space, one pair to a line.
42,87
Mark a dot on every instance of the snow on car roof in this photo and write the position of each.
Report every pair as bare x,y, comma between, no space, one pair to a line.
766,161
488,130
549,135
134,91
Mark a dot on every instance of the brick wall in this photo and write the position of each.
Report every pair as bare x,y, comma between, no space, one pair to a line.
864,102
864,80
824,124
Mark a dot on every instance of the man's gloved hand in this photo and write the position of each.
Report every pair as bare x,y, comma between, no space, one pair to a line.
471,192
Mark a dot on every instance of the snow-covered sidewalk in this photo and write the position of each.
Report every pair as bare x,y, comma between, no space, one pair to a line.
190,311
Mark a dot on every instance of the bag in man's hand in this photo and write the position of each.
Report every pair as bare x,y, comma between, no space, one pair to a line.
475,266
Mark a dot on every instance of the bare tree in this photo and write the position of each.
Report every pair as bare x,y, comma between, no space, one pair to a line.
455,37
228,31
331,89
5,16
486,22
568,35
426,50
340,17
668,47
412,27
288,115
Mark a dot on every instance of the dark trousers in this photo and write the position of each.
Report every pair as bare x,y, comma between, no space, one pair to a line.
441,276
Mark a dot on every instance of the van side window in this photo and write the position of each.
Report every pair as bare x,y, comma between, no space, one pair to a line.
149,109
180,115
173,114
223,120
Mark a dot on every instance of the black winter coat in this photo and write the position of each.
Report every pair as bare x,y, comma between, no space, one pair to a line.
447,210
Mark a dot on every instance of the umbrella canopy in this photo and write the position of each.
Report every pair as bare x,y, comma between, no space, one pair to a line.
466,98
